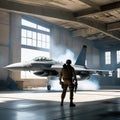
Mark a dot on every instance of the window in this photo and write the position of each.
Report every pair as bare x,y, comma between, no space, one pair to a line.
110,73
108,57
35,41
85,62
34,35
28,23
27,55
118,56
118,73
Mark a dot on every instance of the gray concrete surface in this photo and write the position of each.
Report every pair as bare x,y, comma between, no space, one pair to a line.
43,105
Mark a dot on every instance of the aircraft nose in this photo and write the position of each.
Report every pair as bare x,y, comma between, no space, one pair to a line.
16,66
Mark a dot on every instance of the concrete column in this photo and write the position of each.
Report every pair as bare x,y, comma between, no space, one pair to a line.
4,43
15,42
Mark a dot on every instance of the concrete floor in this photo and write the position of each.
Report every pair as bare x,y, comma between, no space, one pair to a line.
44,105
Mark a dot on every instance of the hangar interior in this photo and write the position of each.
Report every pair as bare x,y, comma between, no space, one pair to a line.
69,25
58,29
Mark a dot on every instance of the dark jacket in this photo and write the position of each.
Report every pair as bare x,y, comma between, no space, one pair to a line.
67,72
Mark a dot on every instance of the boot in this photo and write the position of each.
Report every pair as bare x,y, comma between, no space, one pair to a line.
71,103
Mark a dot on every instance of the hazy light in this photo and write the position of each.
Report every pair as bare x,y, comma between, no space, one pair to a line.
28,54
90,84
55,85
67,55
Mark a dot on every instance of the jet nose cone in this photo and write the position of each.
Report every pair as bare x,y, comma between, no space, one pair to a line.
15,66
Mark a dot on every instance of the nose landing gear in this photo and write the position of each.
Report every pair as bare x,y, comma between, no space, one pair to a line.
48,87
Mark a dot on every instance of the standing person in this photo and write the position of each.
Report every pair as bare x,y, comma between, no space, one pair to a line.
67,73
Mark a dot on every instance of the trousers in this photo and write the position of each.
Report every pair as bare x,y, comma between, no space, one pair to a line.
67,83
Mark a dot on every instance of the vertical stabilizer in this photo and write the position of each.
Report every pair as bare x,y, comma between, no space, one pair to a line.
82,56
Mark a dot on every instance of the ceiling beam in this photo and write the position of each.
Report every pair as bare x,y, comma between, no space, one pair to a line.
35,10
101,27
115,5
91,4
113,26
91,11
38,11
84,32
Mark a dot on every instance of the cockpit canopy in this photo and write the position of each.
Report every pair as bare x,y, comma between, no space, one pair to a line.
42,58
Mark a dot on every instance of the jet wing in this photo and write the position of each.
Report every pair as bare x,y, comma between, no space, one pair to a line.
82,70
57,67
94,71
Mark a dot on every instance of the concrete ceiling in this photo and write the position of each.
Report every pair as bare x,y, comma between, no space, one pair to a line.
95,20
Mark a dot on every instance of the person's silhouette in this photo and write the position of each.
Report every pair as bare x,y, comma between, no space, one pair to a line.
67,74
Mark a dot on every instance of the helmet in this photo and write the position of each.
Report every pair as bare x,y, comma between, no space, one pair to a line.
68,61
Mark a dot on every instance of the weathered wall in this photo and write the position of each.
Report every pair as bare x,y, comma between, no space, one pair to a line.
10,46
63,40
4,44
110,82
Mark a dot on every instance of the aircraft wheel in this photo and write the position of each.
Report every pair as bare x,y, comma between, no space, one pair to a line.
49,87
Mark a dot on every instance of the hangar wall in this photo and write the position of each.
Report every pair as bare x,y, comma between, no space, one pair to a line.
113,81
4,42
61,40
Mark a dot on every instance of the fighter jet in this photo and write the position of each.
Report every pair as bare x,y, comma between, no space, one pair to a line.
44,66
